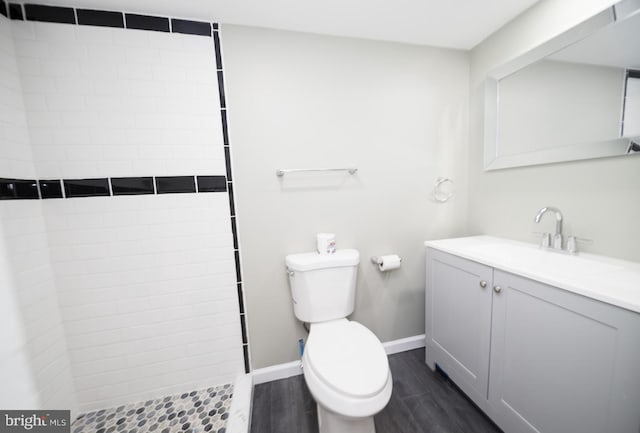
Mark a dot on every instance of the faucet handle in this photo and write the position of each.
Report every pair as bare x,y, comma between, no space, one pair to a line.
545,241
572,241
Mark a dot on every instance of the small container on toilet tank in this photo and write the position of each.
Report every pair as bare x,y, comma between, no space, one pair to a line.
326,243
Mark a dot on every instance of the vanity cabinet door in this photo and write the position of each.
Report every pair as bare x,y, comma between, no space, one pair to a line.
561,362
458,321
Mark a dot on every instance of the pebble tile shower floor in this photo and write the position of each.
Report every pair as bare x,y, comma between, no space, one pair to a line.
206,410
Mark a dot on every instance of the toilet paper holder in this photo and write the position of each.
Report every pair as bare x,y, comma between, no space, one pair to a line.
378,260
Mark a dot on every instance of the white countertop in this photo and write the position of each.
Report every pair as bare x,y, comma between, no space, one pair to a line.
609,280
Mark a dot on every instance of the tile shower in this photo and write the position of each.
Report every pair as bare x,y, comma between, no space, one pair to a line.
118,217
196,411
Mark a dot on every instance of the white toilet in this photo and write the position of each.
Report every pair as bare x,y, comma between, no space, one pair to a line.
345,365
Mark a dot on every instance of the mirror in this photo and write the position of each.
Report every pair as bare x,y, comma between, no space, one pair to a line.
574,97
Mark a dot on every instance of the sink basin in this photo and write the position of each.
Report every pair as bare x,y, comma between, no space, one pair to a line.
535,257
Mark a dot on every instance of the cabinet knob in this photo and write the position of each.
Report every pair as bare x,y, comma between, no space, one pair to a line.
483,283
497,289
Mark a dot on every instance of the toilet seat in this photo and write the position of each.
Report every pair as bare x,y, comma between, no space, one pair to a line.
348,357
346,368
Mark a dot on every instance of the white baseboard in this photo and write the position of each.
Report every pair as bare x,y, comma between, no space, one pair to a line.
294,368
276,372
404,344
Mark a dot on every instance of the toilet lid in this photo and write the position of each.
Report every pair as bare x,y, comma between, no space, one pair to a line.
347,357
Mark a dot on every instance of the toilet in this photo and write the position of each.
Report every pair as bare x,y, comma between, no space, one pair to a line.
344,363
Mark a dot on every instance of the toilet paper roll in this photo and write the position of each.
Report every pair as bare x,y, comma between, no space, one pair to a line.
388,263
326,243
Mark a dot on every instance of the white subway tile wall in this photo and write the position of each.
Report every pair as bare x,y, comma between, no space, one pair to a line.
15,152
108,102
34,364
147,288
40,343
15,372
147,284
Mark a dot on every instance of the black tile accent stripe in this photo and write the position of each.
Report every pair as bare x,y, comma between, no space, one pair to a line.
232,206
234,231
243,326
28,189
633,73
212,184
132,185
238,273
50,14
190,27
147,22
245,350
240,298
15,11
18,189
234,228
216,43
175,184
225,130
90,17
223,102
93,17
227,160
98,187
51,188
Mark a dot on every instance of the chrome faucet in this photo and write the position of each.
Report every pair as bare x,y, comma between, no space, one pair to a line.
557,238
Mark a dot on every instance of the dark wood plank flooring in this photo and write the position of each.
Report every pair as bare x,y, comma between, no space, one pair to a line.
422,401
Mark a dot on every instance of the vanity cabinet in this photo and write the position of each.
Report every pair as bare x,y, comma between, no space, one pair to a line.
534,357
458,327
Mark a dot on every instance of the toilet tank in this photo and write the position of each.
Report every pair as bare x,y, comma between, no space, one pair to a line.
323,286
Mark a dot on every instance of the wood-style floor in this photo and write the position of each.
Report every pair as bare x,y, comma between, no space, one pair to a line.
422,401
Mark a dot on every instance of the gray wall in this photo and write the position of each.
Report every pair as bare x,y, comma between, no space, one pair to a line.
599,198
398,112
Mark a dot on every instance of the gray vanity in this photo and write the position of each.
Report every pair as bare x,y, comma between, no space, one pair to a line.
540,341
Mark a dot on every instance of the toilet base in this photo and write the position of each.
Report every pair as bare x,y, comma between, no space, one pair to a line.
330,422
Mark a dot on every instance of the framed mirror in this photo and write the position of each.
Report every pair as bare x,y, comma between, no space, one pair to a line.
574,97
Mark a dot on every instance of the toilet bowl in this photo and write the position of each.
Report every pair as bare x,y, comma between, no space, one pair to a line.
344,364
347,372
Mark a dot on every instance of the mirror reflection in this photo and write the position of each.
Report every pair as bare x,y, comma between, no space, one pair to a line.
580,101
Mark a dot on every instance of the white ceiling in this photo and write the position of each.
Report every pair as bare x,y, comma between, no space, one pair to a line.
445,23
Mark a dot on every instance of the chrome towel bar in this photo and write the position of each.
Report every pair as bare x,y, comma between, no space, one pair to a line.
282,171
